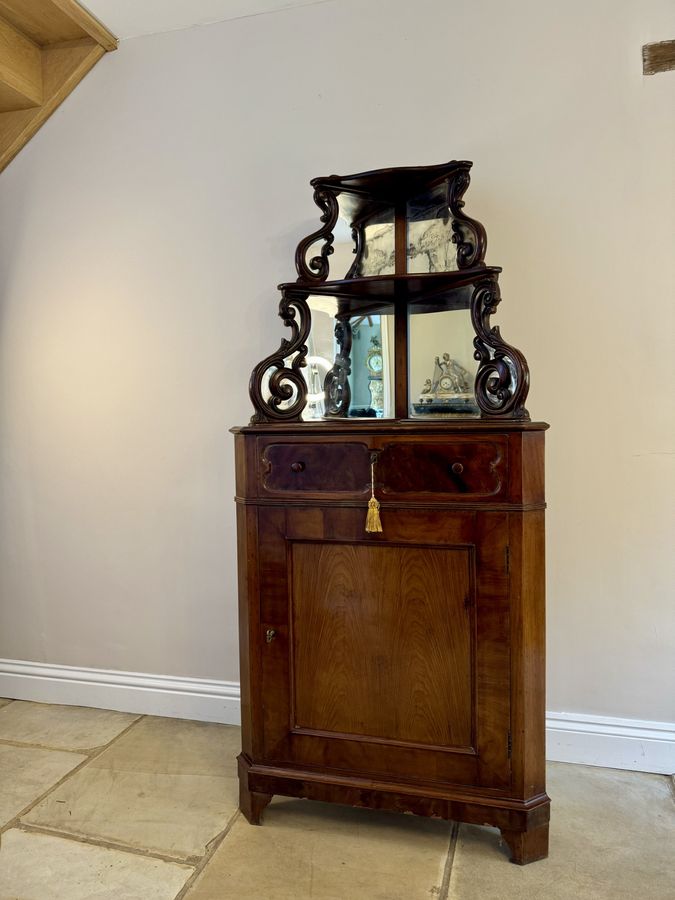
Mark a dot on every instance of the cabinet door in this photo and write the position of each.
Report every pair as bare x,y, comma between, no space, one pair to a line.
386,655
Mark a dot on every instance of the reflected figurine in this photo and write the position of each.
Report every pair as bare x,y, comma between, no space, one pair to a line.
449,376
448,391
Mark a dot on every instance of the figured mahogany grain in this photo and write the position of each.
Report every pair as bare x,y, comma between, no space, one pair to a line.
482,535
527,846
405,669
374,627
251,803
340,468
451,467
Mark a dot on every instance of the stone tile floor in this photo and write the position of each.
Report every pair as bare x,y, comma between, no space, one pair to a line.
99,805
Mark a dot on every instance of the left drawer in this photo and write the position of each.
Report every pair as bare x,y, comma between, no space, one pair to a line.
315,468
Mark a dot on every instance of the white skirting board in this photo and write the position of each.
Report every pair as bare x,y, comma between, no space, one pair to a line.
570,737
157,695
631,744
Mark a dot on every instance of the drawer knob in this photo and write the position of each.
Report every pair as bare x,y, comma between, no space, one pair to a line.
270,634
457,468
297,467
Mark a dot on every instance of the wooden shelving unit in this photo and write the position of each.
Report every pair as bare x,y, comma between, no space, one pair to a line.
46,49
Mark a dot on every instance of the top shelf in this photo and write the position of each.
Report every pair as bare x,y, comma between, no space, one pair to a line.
365,191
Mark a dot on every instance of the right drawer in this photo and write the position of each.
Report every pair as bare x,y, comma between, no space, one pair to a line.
472,468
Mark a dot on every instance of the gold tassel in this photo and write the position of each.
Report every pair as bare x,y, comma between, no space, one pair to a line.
373,522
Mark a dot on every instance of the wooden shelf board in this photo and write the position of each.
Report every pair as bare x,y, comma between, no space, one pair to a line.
54,21
64,68
363,194
423,292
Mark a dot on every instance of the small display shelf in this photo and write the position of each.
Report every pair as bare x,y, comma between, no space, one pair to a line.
415,252
422,286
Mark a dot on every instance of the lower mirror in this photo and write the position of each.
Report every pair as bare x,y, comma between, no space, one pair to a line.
442,368
349,363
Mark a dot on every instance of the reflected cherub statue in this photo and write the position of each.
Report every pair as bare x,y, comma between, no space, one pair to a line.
448,392
449,376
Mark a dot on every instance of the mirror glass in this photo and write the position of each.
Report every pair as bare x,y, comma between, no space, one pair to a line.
441,364
376,227
371,360
429,240
378,253
442,368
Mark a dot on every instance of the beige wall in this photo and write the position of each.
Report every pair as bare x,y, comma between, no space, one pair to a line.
143,231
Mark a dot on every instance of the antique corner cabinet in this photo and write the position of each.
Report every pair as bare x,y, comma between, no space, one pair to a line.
400,668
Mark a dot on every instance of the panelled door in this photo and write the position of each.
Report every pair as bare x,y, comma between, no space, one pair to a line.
382,654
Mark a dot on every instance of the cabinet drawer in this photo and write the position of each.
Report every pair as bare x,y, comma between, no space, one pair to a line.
466,468
316,468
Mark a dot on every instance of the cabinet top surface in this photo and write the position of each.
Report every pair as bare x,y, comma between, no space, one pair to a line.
391,426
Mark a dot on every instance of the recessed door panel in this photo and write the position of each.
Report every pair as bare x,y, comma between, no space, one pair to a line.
382,642
386,655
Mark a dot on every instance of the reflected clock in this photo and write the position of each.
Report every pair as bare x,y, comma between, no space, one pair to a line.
375,365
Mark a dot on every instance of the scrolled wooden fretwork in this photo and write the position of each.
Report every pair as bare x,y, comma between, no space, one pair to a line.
358,237
503,377
317,268
468,234
286,383
337,392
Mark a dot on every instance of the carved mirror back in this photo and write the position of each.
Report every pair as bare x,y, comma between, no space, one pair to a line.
390,315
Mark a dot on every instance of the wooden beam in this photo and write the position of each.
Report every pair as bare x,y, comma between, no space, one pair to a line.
55,21
658,57
64,68
20,70
46,49
88,23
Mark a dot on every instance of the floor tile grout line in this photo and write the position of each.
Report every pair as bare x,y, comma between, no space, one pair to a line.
213,845
449,861
85,762
7,742
195,862
187,861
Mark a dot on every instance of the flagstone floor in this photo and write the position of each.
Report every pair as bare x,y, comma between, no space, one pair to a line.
114,806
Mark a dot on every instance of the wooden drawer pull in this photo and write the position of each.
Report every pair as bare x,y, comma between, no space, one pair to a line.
297,467
457,468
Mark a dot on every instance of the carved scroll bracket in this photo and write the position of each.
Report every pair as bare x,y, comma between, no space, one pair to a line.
503,377
317,268
285,383
358,236
468,234
337,392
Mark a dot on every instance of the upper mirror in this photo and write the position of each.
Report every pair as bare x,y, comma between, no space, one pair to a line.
430,244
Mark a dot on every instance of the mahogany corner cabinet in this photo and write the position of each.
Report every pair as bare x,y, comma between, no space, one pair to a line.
390,503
